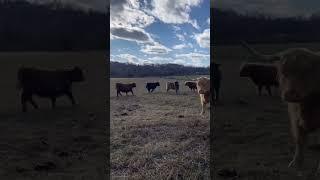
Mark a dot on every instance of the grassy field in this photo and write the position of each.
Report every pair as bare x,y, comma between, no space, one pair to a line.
64,143
159,135
252,133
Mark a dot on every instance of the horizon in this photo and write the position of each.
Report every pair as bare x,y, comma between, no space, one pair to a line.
160,31
158,64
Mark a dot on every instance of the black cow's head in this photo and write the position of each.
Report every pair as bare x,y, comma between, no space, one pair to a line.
77,74
245,70
157,84
133,85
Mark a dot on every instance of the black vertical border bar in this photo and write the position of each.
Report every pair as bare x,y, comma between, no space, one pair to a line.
107,108
212,109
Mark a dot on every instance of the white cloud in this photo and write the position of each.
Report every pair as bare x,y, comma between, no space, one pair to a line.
131,34
176,28
155,48
203,39
187,62
128,58
161,60
194,56
127,21
208,21
129,15
194,59
180,37
175,12
181,46
195,24
181,61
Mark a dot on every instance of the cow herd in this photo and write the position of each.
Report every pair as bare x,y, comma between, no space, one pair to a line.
201,84
295,71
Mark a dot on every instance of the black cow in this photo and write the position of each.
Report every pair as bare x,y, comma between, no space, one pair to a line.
152,86
217,76
191,84
262,75
47,83
120,87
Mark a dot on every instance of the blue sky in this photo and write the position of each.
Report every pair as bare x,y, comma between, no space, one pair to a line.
160,31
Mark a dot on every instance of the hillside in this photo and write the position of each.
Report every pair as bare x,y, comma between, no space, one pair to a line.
26,26
118,69
231,27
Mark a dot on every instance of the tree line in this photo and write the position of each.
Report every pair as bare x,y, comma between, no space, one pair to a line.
123,70
26,26
231,27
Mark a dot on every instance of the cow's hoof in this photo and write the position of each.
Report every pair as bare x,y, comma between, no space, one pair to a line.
292,164
295,164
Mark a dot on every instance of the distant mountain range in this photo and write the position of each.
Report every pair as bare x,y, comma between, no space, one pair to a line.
123,70
26,26
230,27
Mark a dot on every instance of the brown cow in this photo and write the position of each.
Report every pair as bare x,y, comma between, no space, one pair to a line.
299,74
174,86
203,86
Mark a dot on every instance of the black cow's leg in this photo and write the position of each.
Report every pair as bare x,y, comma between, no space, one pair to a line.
24,101
118,92
132,93
259,89
152,90
34,104
269,90
69,94
53,102
217,93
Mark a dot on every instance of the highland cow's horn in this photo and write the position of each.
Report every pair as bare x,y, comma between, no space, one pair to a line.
260,57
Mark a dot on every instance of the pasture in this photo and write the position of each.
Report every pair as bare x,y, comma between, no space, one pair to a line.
159,135
64,143
252,133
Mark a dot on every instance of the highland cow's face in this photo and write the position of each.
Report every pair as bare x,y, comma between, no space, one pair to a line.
296,82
